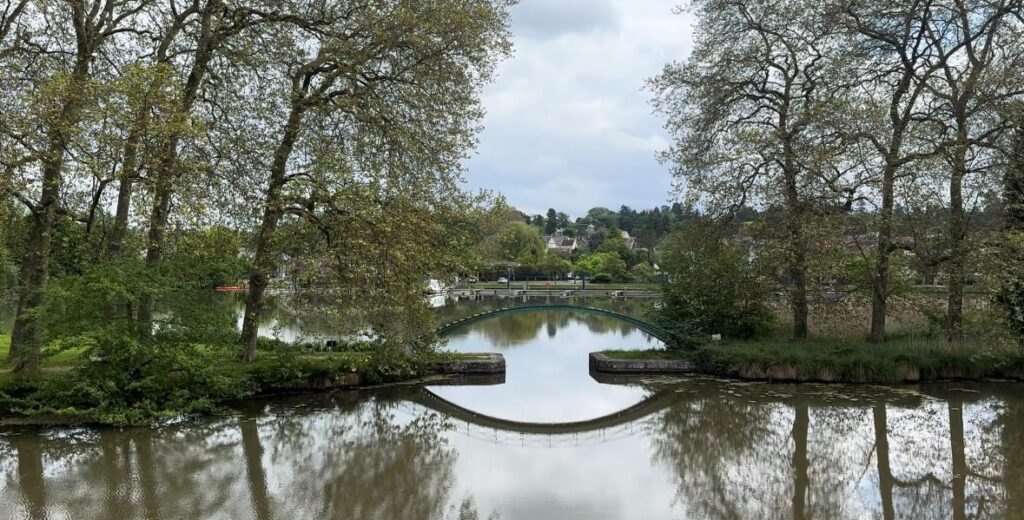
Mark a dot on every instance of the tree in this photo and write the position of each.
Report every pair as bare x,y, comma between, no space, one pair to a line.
642,272
746,114
714,288
602,263
353,80
565,224
554,265
615,245
57,84
215,26
519,242
551,223
893,50
977,52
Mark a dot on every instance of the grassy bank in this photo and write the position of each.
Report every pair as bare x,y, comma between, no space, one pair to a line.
896,361
68,389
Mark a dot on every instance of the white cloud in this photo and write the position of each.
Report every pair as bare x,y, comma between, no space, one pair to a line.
568,123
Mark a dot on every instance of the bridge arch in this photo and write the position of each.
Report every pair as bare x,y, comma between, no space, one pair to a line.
649,328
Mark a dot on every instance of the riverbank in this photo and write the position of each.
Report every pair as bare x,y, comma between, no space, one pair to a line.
65,390
905,361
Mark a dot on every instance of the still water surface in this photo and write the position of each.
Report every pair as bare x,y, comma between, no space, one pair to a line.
691,448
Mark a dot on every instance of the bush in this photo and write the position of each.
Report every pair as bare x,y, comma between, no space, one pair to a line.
715,287
601,278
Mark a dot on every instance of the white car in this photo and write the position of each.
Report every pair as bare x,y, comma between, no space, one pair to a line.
502,280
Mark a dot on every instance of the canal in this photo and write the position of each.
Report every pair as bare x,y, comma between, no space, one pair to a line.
550,441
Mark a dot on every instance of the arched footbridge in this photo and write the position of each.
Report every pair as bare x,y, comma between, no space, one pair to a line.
645,326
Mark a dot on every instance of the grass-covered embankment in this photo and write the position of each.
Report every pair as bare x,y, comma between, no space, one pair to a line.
844,361
70,389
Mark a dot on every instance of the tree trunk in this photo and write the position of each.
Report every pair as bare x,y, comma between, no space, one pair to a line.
957,236
35,264
167,169
159,216
265,260
129,167
798,258
880,285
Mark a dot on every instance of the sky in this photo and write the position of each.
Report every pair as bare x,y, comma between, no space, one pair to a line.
569,123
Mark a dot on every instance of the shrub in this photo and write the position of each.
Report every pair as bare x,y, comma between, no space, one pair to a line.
601,278
715,287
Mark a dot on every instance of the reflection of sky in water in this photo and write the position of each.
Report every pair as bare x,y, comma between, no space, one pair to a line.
714,449
547,377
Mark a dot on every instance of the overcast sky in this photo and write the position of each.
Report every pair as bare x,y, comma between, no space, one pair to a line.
569,123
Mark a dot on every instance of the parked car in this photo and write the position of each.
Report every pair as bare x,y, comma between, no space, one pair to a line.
502,280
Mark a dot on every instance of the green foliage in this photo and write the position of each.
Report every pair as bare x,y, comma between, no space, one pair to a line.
601,278
642,272
519,242
616,245
844,361
714,288
1009,297
8,273
606,263
175,380
554,265
209,256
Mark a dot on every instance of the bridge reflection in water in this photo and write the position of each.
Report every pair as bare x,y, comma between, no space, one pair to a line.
703,448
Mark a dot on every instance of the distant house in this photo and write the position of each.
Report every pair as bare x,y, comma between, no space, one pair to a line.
561,244
630,241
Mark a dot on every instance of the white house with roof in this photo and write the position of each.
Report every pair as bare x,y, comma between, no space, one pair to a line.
561,244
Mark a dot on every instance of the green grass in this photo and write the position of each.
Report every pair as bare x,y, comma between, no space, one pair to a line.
847,361
66,358
69,389
659,354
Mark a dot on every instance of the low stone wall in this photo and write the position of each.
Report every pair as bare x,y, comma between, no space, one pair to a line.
487,364
488,369
602,363
782,372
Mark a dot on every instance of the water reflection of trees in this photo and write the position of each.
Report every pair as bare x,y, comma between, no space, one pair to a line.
369,459
732,450
737,453
518,328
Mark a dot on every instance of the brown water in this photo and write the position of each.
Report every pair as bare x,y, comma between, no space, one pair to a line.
626,449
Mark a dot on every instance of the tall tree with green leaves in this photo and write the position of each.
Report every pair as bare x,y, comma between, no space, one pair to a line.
892,50
381,104
58,66
745,111
978,55
211,30
551,222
